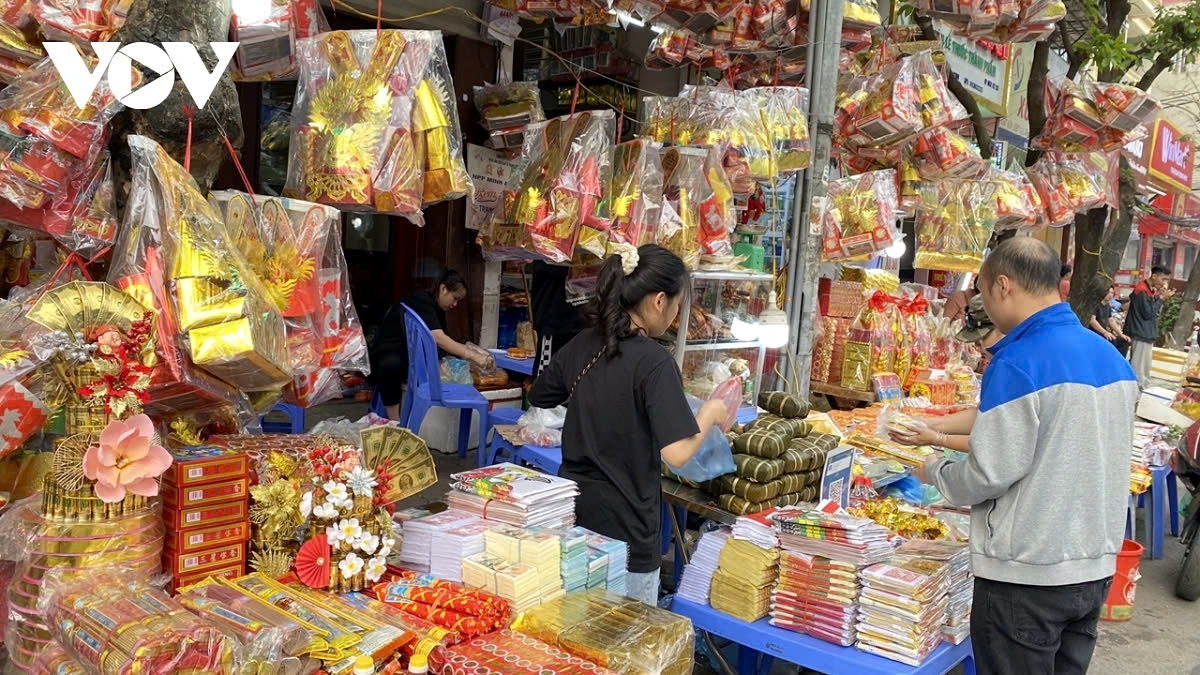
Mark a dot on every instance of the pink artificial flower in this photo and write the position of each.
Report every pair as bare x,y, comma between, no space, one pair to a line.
126,460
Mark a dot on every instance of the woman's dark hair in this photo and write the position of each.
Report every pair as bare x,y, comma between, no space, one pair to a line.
452,280
1064,271
658,271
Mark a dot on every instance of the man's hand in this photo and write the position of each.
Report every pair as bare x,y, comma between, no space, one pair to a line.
924,472
917,433
1168,292
1107,335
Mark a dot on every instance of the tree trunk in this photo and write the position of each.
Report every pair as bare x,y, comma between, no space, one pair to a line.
1098,251
1035,94
1191,293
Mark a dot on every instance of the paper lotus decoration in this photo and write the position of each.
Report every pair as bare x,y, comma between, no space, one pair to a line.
126,460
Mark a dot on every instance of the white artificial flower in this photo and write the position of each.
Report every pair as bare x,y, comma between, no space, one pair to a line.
350,530
333,534
325,511
368,543
362,481
350,565
375,569
386,548
336,492
306,505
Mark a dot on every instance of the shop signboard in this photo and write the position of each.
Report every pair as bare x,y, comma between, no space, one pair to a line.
1170,157
492,173
981,71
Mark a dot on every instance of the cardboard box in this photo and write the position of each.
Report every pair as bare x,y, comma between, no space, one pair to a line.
202,538
181,564
202,495
204,464
182,520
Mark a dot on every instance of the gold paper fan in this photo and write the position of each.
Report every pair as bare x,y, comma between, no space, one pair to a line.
83,306
273,563
67,466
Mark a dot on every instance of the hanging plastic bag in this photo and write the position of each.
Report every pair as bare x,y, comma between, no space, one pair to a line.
713,459
266,32
954,225
636,192
455,370
860,218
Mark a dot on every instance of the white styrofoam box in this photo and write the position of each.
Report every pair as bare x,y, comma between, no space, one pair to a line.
1154,405
440,427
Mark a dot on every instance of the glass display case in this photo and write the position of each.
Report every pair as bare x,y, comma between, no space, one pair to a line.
719,338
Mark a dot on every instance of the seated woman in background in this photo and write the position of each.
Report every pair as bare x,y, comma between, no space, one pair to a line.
390,361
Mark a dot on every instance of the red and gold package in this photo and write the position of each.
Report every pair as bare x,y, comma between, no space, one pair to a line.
939,392
940,153
213,493
955,222
179,564
201,538
886,109
1067,186
230,572
203,465
216,514
860,217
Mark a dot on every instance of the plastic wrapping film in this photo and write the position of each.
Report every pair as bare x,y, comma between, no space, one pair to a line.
940,153
80,21
860,217
1093,116
1068,184
20,44
698,215
954,225
568,165
636,192
54,175
20,381
506,109
375,124
175,255
617,633
267,31
54,544
508,653
878,112
1005,21
113,621
774,141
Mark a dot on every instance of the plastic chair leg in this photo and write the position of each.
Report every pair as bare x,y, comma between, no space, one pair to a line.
968,665
1173,502
416,415
1153,515
464,431
482,456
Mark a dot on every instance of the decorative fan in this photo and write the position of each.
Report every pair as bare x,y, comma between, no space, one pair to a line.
83,306
67,465
403,456
313,562
273,563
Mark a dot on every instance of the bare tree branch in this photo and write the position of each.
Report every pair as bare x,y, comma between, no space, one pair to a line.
1074,60
983,137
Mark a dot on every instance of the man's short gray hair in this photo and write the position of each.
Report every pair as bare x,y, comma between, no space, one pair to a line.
1029,263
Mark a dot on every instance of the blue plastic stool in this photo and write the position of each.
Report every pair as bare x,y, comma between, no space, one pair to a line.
294,425
425,390
548,460
1158,503
498,447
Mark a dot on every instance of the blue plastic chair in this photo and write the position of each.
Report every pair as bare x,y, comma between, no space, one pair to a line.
498,447
293,425
376,405
548,460
426,390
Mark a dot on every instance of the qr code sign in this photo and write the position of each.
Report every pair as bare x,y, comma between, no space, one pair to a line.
835,490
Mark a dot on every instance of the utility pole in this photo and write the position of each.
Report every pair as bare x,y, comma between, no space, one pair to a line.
825,35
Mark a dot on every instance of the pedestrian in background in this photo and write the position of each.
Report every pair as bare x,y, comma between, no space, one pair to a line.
1141,322
1044,540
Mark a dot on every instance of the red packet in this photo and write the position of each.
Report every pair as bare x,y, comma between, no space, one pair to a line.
21,415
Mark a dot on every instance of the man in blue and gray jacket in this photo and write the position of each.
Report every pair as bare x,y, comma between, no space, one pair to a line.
1047,475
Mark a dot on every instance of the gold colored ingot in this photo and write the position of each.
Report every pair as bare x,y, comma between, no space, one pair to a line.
192,259
427,110
249,353
202,302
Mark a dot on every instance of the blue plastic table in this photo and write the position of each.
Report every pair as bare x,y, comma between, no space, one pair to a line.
762,638
519,366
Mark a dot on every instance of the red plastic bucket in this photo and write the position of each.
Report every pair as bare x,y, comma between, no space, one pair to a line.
1118,606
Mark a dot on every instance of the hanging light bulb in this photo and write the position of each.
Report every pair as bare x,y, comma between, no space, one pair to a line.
896,250
773,326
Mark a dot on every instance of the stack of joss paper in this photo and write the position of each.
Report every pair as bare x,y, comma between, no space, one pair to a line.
902,608
573,558
696,582
448,548
509,653
817,596
469,612
537,549
962,584
515,495
616,632
618,559
517,583
859,541
417,550
741,586
597,568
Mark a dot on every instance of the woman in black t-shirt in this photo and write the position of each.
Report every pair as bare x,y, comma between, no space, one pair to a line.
389,362
626,411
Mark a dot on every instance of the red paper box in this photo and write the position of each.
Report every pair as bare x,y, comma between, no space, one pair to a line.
206,516
182,564
204,465
204,538
213,493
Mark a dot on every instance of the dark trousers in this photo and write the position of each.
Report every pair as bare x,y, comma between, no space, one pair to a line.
1023,630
